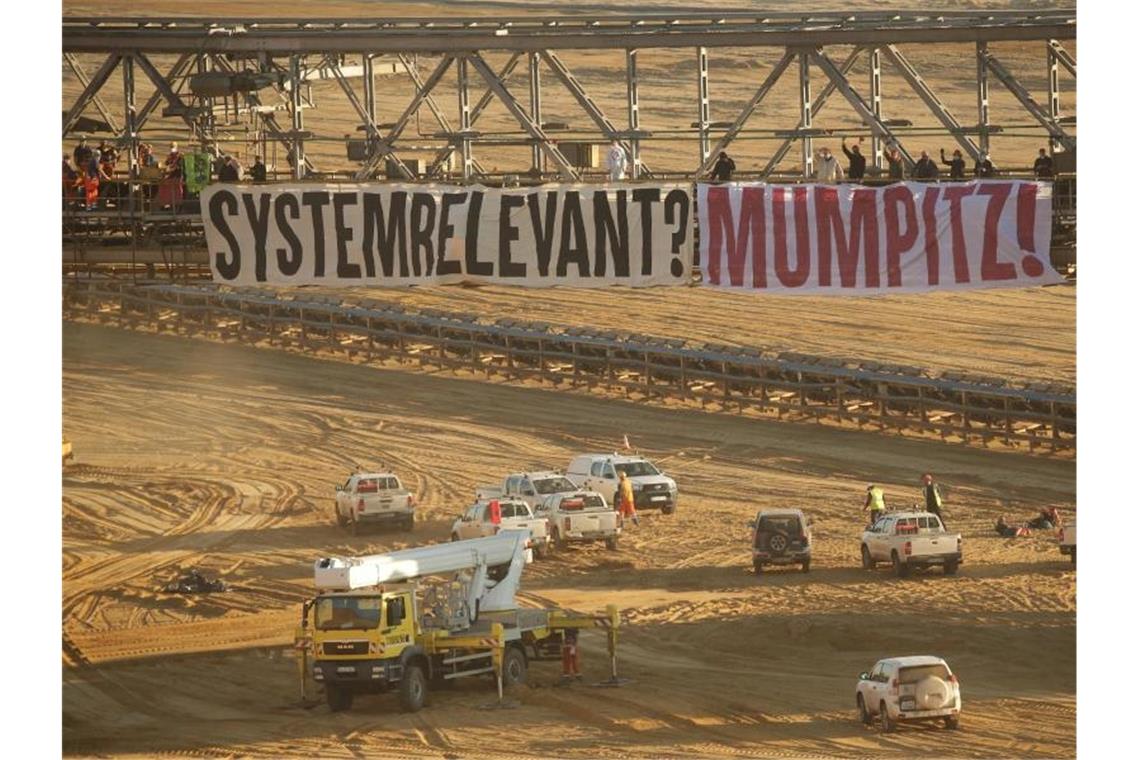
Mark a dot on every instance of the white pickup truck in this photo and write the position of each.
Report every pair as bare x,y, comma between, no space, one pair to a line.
911,539
374,498
1067,538
486,517
531,487
652,489
580,516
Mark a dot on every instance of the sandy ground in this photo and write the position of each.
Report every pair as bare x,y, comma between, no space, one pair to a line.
224,457
668,89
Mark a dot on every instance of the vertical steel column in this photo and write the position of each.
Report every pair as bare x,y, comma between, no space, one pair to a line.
464,117
296,113
632,111
703,103
1054,89
369,88
208,103
805,116
983,99
129,131
876,105
537,156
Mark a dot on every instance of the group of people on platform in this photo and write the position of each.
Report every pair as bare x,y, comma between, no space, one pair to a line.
828,169
89,169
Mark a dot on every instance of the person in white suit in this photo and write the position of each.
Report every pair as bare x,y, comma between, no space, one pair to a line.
616,161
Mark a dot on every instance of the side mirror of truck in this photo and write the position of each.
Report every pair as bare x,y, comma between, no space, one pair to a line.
528,492
339,488
863,676
752,524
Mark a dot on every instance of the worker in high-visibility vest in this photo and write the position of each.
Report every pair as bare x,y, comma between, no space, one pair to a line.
625,498
874,503
932,495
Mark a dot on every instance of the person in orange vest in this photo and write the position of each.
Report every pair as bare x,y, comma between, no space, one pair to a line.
625,498
571,663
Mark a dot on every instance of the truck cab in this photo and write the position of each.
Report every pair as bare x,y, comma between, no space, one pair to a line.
374,498
652,489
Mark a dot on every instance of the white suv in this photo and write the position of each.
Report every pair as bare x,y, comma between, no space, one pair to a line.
909,688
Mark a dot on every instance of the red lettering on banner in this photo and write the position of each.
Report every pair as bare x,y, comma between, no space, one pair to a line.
930,226
720,220
803,229
789,278
1026,216
898,241
954,195
863,224
735,239
992,269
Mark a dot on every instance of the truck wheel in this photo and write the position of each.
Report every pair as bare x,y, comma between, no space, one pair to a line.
902,569
668,509
864,713
454,536
559,542
514,667
868,563
540,551
340,521
885,721
952,722
409,523
413,688
612,543
805,565
338,699
950,567
757,566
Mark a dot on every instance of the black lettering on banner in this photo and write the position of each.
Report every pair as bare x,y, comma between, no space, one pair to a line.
384,238
647,196
617,235
446,231
423,210
343,236
474,265
228,270
676,205
572,222
543,228
508,233
288,265
316,201
259,225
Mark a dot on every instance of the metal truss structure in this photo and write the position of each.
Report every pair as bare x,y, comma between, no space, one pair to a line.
954,406
261,67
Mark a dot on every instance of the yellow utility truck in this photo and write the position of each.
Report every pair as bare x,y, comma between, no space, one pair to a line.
378,625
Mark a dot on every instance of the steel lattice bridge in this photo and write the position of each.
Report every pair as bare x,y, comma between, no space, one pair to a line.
261,66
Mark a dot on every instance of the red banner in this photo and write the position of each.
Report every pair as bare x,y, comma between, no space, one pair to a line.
853,240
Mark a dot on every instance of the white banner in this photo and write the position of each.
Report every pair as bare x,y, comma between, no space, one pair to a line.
853,240
394,234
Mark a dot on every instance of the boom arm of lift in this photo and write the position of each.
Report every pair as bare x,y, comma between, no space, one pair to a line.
491,567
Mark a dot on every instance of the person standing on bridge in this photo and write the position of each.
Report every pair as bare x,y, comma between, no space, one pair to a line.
827,169
894,163
856,161
1043,166
615,161
957,164
984,168
875,502
924,168
82,154
723,168
257,171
